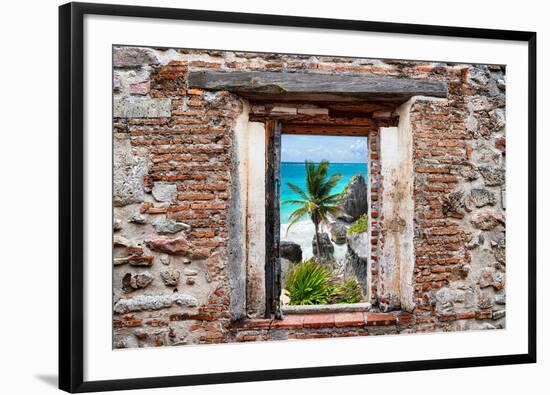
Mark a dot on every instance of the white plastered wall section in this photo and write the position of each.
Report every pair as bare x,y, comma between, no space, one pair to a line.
397,254
247,269
255,220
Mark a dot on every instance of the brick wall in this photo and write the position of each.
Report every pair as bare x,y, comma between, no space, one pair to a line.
173,161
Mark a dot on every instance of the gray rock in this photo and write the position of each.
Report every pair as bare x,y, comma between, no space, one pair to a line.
489,277
356,267
354,198
279,335
325,246
487,220
164,259
493,176
138,218
190,272
117,85
131,282
291,251
338,232
469,174
170,277
485,154
153,302
481,103
500,299
486,326
165,192
142,108
499,249
117,224
445,299
475,241
128,173
134,56
471,123
482,197
454,202
478,75
359,244
498,314
164,225
486,300
498,118
286,266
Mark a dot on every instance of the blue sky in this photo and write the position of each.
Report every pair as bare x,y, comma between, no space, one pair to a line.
337,149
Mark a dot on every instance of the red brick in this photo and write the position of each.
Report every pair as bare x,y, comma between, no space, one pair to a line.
349,319
379,319
318,320
291,321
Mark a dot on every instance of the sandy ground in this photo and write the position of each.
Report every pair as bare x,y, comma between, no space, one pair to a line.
302,233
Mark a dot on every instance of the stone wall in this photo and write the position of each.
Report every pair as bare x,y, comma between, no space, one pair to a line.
176,195
459,148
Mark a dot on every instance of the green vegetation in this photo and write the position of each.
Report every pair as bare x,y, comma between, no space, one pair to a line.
310,283
347,292
318,201
360,225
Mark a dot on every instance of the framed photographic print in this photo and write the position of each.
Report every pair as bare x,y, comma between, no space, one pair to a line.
253,197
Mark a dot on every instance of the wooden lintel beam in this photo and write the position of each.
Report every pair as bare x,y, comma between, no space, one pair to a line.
315,119
270,85
328,130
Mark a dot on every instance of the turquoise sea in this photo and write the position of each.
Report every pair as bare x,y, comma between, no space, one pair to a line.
295,173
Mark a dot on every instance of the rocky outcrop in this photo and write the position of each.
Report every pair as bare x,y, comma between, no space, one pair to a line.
291,251
326,248
354,198
338,230
356,260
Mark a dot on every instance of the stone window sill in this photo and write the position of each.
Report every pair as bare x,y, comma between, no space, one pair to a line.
326,308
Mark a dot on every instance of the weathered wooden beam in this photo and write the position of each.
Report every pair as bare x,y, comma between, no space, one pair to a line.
320,119
269,85
361,107
328,130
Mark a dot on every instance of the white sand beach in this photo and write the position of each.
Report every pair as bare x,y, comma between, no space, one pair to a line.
302,233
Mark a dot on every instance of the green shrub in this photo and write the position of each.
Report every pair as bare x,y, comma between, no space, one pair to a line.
309,283
346,292
360,225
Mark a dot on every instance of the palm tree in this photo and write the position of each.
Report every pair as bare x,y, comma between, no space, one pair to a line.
318,202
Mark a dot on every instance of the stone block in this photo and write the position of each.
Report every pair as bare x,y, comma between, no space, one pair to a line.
165,192
153,302
142,108
134,56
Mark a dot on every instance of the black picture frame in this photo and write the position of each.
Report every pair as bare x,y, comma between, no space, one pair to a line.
71,198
